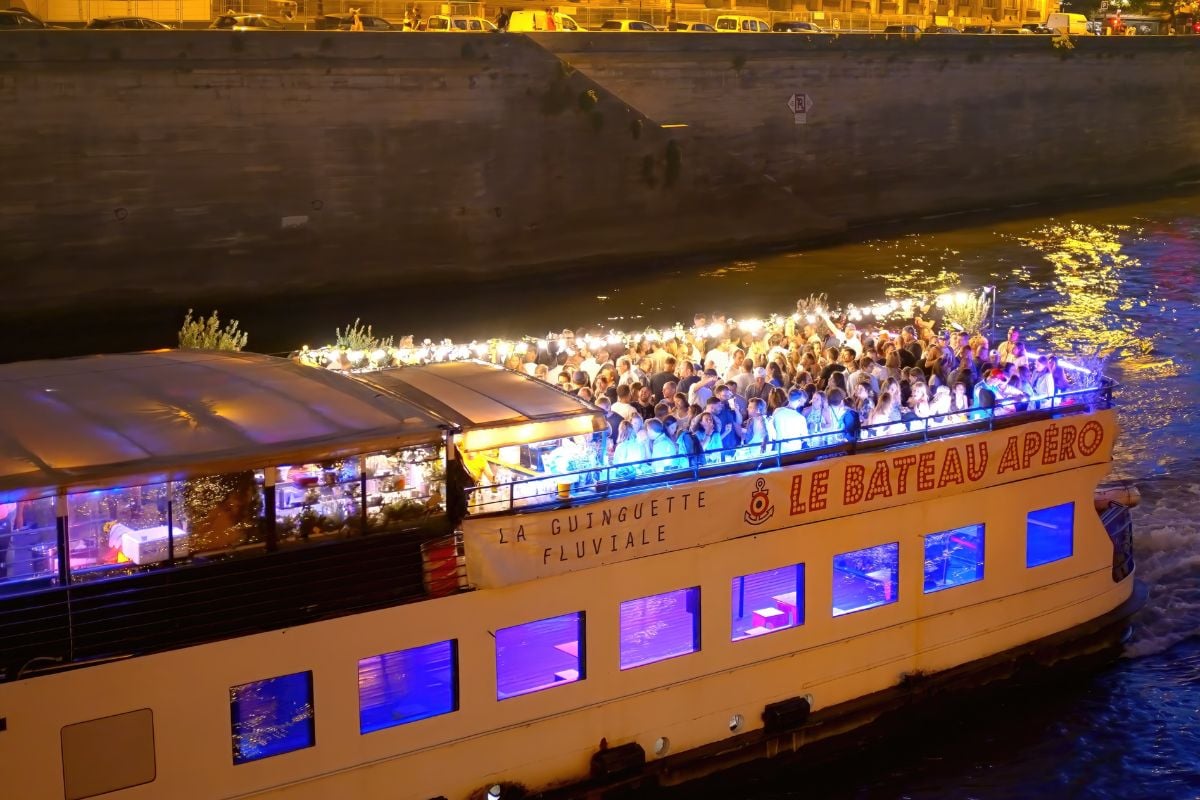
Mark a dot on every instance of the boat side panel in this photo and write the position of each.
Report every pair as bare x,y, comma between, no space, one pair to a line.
549,736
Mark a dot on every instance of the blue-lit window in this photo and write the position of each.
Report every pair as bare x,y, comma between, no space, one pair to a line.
539,655
407,685
272,717
866,578
659,627
1049,534
953,558
765,602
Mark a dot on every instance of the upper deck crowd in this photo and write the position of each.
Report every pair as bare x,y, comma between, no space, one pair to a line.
718,387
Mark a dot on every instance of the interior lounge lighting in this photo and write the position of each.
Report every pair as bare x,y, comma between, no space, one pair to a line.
478,439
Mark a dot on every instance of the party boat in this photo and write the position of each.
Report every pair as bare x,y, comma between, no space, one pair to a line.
229,575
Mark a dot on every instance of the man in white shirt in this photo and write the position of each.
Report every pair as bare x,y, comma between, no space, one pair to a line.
625,374
703,389
745,376
623,407
719,358
787,425
848,336
589,364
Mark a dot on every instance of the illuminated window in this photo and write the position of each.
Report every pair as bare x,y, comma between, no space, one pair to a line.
317,501
407,685
659,627
1049,534
866,578
272,717
765,602
117,531
28,546
953,558
219,514
539,655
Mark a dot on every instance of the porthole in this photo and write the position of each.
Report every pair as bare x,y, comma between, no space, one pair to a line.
735,723
661,745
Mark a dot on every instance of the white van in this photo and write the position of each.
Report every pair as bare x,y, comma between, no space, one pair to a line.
736,23
526,21
1073,24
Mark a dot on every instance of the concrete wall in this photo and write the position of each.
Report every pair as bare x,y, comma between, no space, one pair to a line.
197,165
904,128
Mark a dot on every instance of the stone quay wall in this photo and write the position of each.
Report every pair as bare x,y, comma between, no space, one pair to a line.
194,166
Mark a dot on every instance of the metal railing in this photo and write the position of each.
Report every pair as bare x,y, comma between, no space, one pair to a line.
607,480
1118,522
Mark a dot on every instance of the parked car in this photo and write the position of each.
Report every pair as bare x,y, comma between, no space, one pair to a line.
246,22
127,24
903,30
692,27
440,23
796,26
627,25
1037,27
344,22
528,21
737,23
978,29
1017,30
18,19
942,29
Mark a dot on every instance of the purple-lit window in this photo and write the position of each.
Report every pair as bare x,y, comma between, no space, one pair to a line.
272,717
866,578
28,546
539,655
659,627
765,602
407,685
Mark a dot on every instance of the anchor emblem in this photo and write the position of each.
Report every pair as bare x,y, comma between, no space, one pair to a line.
760,504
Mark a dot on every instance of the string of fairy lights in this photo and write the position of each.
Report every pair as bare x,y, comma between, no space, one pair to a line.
973,306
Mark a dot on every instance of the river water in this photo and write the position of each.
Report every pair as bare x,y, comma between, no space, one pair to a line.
1123,279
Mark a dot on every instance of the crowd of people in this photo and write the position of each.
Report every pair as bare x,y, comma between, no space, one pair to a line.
718,393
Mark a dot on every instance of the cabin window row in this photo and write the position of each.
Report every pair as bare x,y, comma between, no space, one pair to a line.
118,531
276,715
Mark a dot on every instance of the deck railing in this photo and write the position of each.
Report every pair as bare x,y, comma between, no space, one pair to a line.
606,480
1118,522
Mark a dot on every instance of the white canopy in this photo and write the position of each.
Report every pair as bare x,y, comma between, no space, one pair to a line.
494,407
139,417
